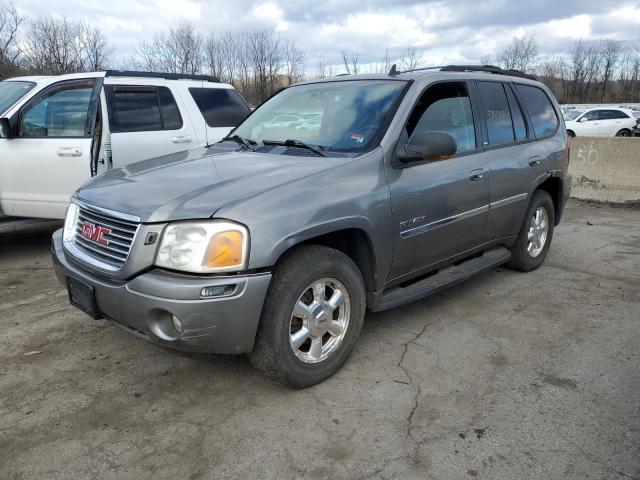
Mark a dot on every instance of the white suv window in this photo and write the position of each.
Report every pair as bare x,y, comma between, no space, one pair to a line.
141,108
62,111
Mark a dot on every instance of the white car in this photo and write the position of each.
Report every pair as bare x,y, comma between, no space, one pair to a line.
56,132
602,122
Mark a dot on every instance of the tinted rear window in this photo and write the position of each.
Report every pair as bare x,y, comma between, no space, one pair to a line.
519,124
496,112
142,109
543,115
220,107
612,114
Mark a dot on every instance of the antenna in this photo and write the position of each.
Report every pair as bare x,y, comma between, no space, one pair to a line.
394,71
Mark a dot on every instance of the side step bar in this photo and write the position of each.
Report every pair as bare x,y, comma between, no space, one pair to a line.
445,278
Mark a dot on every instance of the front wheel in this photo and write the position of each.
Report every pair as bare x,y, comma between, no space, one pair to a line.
311,318
624,133
570,134
533,242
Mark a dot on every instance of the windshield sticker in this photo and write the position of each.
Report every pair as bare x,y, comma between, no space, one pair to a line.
358,137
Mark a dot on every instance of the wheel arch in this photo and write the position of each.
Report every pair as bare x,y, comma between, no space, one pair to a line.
554,187
350,238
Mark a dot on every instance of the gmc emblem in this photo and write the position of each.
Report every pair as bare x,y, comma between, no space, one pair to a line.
95,232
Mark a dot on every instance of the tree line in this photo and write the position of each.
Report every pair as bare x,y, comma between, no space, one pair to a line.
601,71
258,63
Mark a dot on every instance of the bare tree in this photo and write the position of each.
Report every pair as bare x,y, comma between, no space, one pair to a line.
610,52
350,59
519,54
10,50
293,62
176,50
94,49
630,76
56,45
410,58
221,54
324,69
267,58
384,64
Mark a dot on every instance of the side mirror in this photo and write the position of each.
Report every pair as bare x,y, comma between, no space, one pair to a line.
429,146
5,128
583,119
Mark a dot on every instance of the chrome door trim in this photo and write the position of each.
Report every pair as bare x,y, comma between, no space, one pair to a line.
508,200
413,232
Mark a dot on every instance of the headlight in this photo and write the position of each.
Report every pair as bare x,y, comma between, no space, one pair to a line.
70,222
204,247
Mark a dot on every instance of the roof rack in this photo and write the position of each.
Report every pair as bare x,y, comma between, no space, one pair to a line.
467,68
165,75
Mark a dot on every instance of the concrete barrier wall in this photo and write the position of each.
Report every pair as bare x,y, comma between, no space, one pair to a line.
605,169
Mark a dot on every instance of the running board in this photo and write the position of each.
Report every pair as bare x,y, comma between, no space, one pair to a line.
445,278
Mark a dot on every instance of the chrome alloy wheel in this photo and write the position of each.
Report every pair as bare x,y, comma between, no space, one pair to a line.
319,320
538,232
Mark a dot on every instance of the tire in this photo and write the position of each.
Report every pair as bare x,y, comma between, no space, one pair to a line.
623,133
293,279
570,134
524,255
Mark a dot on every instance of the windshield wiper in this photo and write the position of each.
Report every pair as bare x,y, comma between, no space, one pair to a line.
240,140
295,143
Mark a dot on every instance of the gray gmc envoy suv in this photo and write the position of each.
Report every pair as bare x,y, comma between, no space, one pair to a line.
335,196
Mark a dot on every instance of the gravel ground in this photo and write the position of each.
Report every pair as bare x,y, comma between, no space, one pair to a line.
507,376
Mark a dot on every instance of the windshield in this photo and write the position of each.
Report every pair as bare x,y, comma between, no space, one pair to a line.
571,114
333,116
11,92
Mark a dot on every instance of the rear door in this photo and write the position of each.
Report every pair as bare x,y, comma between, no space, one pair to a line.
145,121
612,121
440,208
516,160
50,156
223,109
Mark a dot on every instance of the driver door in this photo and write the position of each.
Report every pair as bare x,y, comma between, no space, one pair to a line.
49,157
440,207
592,126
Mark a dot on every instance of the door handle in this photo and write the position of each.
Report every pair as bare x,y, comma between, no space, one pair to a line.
182,139
69,151
535,161
476,175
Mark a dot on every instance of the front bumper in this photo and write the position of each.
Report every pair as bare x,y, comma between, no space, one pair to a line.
144,305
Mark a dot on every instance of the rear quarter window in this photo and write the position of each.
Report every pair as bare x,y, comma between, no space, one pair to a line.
220,107
537,103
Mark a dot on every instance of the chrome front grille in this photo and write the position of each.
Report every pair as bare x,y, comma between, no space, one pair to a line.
104,237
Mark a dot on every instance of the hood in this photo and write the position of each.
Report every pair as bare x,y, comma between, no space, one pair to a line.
196,183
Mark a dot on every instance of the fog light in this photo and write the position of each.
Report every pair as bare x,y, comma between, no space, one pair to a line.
176,323
218,291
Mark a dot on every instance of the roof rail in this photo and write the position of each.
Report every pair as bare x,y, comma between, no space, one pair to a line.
165,75
468,68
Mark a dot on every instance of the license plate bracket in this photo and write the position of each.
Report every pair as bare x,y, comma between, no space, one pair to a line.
83,297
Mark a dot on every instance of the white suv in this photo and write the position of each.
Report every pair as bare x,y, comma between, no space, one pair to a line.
57,132
602,122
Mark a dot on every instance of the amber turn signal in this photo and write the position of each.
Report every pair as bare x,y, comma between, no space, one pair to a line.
225,249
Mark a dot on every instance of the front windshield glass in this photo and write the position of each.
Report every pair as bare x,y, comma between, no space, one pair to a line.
572,114
11,92
332,116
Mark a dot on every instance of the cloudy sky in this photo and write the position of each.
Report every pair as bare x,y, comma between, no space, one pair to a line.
448,31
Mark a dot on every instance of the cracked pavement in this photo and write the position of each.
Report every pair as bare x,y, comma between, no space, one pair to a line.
507,376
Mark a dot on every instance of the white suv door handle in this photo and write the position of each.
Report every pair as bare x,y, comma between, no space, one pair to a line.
182,139
69,151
